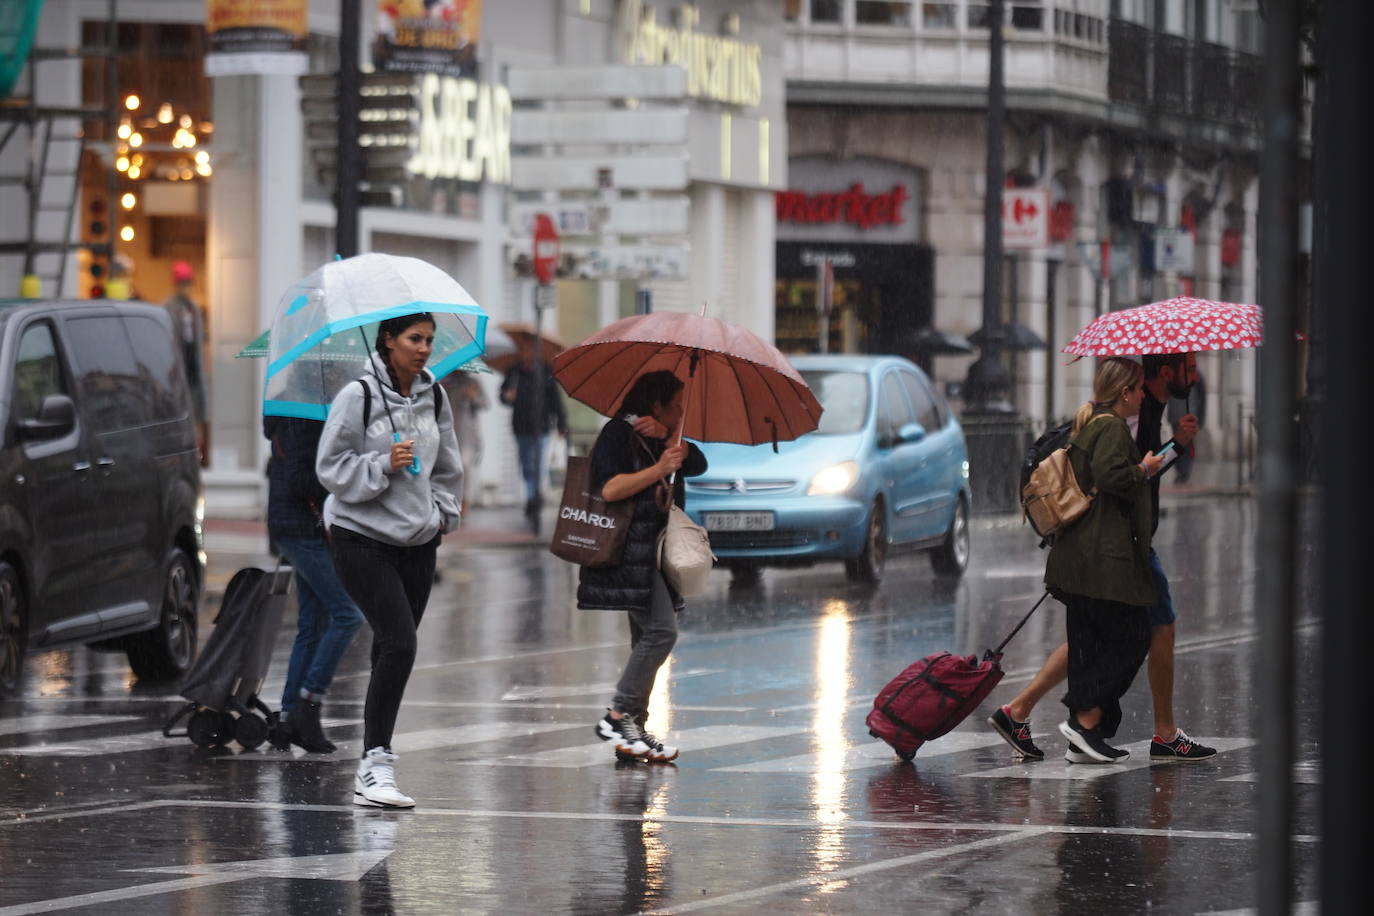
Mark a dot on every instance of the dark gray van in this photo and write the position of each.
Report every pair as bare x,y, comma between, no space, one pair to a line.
100,493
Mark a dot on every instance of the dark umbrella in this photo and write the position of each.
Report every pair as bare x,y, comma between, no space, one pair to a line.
1008,337
939,343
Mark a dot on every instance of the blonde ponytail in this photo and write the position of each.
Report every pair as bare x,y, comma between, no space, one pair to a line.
1115,375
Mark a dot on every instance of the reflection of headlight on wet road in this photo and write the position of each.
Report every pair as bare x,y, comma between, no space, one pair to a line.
833,480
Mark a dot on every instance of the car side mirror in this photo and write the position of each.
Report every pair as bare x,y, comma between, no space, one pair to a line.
56,417
911,432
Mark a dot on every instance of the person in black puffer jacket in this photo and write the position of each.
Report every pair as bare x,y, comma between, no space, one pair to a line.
631,460
327,618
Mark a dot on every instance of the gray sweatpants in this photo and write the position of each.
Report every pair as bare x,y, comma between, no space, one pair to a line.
653,632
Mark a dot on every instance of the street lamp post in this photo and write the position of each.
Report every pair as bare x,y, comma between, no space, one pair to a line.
988,386
349,156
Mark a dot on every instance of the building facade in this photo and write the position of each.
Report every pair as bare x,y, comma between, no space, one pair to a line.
1137,121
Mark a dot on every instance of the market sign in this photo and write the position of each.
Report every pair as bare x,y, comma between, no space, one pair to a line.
721,68
256,36
428,36
853,205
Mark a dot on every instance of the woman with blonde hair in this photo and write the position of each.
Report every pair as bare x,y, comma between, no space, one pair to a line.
1100,566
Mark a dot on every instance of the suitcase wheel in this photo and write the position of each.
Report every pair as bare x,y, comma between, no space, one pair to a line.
907,756
250,730
203,728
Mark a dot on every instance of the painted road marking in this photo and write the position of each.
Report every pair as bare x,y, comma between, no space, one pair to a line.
861,756
1058,768
1309,774
50,723
534,692
599,753
123,744
424,740
347,866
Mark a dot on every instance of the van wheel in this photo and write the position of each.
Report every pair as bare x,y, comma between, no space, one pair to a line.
951,557
868,566
164,653
13,630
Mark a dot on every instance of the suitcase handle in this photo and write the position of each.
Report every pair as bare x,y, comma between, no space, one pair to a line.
996,653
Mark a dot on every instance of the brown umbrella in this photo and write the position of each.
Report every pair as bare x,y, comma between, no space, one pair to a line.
521,333
739,388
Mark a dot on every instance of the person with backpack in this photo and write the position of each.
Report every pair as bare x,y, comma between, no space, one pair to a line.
1165,376
326,617
395,481
1099,566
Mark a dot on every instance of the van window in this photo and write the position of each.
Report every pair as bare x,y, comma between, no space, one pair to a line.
927,414
158,367
37,371
113,393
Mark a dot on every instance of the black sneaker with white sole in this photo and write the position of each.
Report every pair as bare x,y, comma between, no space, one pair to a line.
1090,742
1181,748
1017,734
625,732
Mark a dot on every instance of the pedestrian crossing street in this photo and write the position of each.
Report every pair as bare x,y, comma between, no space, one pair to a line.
71,736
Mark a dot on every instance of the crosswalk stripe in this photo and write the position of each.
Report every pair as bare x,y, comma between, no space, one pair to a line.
53,722
540,692
1057,768
690,740
424,740
863,756
1305,773
121,744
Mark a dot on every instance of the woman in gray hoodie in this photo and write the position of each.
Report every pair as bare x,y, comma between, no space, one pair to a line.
390,461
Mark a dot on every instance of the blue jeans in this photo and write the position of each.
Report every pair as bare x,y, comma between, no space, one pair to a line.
327,618
531,449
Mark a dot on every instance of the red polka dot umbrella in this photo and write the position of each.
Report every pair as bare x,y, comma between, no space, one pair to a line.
1182,325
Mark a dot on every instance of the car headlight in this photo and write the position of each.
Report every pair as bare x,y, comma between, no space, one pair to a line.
834,480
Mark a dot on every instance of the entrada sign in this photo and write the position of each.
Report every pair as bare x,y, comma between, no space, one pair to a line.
464,130
719,68
852,206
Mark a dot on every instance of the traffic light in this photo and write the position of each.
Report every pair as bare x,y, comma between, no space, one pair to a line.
97,227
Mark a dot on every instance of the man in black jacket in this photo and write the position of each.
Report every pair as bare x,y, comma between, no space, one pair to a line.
529,388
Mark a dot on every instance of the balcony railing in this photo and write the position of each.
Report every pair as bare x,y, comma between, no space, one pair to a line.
1174,75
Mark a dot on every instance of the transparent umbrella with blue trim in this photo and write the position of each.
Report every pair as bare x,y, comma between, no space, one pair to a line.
325,325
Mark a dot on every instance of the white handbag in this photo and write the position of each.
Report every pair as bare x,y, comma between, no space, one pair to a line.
684,553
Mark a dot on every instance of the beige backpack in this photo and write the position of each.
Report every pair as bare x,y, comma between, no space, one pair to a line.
1052,499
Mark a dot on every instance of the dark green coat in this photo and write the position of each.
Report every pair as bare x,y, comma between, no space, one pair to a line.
1106,553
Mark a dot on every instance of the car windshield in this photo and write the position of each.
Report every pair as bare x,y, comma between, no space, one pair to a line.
844,397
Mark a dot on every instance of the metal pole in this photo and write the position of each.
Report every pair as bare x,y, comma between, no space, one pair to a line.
1275,595
1342,152
988,383
349,156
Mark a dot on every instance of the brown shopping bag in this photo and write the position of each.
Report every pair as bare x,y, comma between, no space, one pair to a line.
589,530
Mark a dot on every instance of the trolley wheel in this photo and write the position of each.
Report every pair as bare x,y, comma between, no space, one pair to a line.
226,729
203,728
250,730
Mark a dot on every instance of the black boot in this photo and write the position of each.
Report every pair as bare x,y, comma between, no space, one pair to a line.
306,730
280,735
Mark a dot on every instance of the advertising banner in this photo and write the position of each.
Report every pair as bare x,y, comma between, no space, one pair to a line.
256,36
428,36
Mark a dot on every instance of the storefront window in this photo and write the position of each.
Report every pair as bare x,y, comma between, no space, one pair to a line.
871,12
1028,17
825,10
939,15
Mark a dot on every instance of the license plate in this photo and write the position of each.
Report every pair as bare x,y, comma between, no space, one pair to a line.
738,521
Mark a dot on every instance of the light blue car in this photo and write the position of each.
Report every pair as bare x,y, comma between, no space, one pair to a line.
886,469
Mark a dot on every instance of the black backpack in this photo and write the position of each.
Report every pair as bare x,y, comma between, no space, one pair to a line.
367,402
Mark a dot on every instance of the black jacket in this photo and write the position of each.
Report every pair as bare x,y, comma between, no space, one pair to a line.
533,413
630,584
295,496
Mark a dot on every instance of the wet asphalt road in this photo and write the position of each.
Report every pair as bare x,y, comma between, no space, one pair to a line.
780,801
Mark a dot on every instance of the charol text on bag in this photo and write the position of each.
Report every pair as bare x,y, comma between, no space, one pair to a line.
589,530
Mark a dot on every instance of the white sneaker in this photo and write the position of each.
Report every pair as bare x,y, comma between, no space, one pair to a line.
658,751
375,784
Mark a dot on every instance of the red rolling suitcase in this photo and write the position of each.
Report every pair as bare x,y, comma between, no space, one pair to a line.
935,694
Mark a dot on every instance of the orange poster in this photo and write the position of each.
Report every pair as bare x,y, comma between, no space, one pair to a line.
259,34
428,36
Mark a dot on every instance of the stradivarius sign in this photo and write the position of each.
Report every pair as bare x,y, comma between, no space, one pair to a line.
719,67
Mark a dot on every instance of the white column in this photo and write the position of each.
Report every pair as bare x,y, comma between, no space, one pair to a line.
254,254
758,237
707,229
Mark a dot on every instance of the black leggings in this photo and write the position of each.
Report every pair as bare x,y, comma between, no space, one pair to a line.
1108,641
391,585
